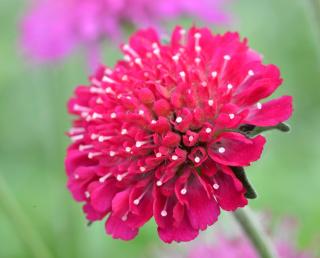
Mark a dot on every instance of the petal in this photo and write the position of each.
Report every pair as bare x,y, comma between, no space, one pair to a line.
202,210
231,193
272,112
182,232
235,149
102,195
119,229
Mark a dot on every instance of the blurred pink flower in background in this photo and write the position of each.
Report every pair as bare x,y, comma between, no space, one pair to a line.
284,239
51,29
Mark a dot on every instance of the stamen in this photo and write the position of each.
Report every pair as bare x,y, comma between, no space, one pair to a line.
214,74
174,157
94,136
197,159
128,48
191,138
76,176
104,138
227,57
231,116
142,169
77,107
158,154
113,115
76,130
179,119
91,155
259,105
104,178
128,149
112,153
216,186
87,194
85,147
221,150
120,177
229,86
159,183
77,137
124,131
182,75
96,90
208,130
96,115
141,112
210,102
183,191
164,213
108,79
139,144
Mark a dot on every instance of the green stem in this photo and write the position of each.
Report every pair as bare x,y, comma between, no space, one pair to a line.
255,234
23,226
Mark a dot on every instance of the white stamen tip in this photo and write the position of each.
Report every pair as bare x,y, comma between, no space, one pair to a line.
174,157
197,60
259,105
124,218
231,116
128,149
113,115
164,213
204,84
216,186
182,74
250,73
87,194
158,154
210,102
153,122
112,153
136,202
214,74
197,159
159,183
76,176
139,144
229,86
183,191
227,57
179,119
208,130
190,138
141,112
124,131
142,169
197,48
221,150
197,35
119,177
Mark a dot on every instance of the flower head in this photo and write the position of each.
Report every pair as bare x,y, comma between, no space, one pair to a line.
161,134
52,28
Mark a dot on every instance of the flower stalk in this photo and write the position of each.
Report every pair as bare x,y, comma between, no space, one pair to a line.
256,235
23,226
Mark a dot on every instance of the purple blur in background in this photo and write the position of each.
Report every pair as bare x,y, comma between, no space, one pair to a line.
51,29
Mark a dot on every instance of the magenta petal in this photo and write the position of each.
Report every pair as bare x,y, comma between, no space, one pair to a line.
202,210
272,112
230,194
119,229
102,195
234,149
184,232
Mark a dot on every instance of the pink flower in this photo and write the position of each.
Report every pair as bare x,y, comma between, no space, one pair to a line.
240,246
161,133
52,28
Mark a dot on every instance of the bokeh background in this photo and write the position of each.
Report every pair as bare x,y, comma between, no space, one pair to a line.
33,122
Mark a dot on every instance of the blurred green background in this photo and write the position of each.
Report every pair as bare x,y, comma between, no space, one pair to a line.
34,119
